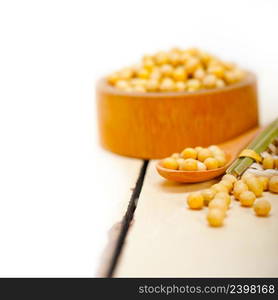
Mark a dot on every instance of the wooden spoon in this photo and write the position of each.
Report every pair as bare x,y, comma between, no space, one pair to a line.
232,148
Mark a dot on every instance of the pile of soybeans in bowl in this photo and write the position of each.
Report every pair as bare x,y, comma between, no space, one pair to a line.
176,70
196,159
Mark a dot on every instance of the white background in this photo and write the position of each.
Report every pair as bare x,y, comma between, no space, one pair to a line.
55,196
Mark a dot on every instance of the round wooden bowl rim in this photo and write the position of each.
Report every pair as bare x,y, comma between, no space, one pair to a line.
102,84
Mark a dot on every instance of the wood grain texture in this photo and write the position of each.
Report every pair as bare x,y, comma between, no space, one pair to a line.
153,125
167,239
127,170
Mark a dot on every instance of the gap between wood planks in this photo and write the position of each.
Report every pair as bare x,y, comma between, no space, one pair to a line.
124,225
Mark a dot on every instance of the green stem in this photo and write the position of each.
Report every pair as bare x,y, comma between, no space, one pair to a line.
259,144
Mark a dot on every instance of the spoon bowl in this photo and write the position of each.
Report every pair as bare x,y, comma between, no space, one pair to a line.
192,176
231,148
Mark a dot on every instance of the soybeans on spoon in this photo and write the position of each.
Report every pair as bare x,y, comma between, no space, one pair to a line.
231,148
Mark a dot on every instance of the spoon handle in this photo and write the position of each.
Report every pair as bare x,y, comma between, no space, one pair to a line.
235,145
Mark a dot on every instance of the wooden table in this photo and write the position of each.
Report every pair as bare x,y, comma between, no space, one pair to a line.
163,238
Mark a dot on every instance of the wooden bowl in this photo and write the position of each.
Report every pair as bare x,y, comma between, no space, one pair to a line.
154,125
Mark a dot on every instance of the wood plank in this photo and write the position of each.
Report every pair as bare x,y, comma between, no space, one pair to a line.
125,174
167,239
